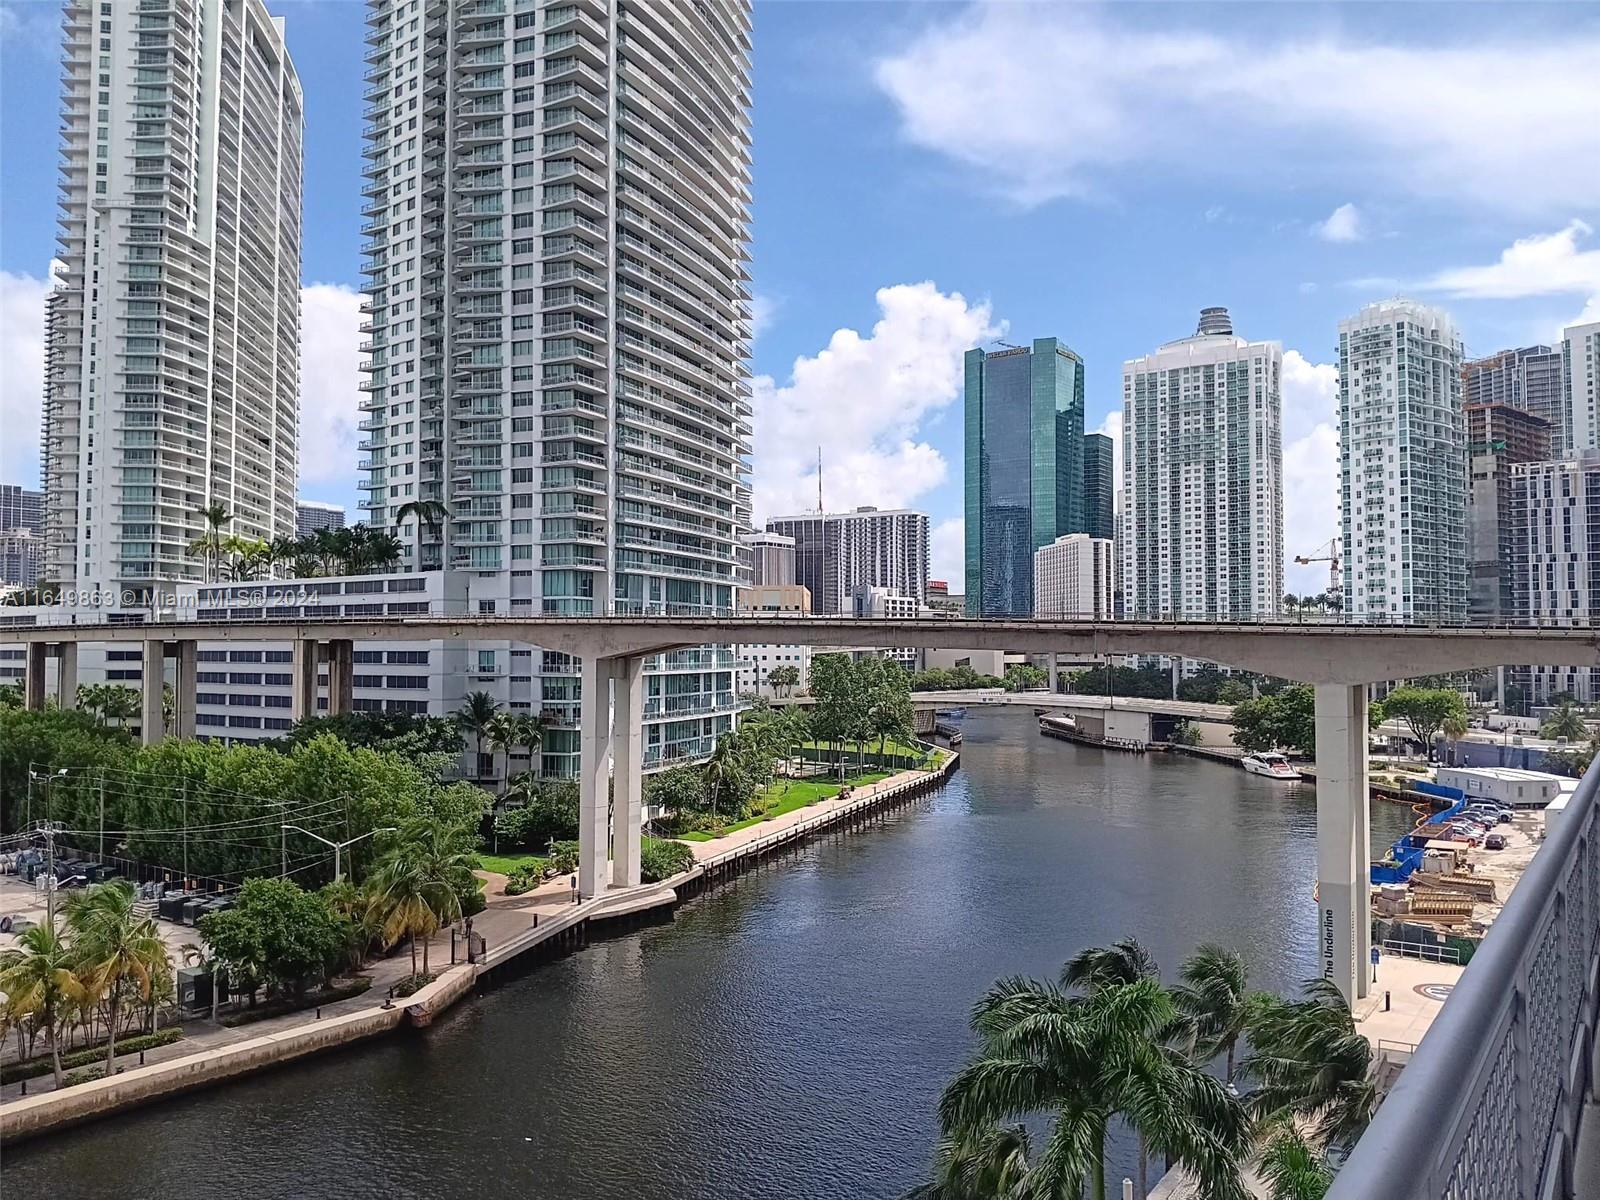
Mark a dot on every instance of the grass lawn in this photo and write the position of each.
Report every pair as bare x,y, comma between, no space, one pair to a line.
504,864
889,747
798,794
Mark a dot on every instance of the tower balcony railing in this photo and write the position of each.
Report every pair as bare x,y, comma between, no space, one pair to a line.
1492,1103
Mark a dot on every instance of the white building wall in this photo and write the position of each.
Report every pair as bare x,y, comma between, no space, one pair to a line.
1580,355
1555,509
1072,577
1402,464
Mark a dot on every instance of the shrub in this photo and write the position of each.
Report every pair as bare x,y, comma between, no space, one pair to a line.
660,859
413,984
564,857
288,1004
73,1078
524,879
40,1064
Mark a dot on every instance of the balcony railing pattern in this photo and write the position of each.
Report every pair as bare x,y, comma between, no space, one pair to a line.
1488,1108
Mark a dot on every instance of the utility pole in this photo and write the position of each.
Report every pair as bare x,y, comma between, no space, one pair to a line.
50,871
186,835
102,814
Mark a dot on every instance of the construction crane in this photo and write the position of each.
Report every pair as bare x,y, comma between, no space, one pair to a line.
1330,553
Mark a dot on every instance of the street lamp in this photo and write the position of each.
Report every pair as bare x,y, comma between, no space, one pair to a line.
49,777
338,847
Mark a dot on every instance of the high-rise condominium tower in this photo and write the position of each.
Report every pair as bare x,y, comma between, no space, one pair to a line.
1024,468
1529,379
172,373
558,206
837,554
1580,384
1099,486
1202,476
1403,443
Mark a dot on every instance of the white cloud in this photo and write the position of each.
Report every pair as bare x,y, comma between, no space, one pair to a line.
1092,94
948,554
1343,225
1310,467
22,300
863,400
1111,426
763,311
1544,264
330,382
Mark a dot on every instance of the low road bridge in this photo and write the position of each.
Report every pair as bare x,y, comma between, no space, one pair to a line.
1339,659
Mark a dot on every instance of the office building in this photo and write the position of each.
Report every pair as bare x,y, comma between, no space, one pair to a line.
557,205
1498,437
1555,571
1072,578
882,603
172,339
941,602
1580,383
312,515
837,553
21,508
1099,486
1529,379
756,659
771,557
21,543
1024,468
1403,471
1201,518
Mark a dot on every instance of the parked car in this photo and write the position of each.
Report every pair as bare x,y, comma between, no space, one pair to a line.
1495,841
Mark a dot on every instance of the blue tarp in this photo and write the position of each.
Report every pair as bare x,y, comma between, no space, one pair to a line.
1406,856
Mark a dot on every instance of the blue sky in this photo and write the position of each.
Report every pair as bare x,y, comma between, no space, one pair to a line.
928,176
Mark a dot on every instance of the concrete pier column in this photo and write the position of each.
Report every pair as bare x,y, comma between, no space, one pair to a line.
67,675
185,689
152,723
303,703
1344,917
33,675
627,769
594,777
341,676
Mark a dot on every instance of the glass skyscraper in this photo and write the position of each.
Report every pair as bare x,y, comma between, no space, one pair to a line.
1024,468
1099,486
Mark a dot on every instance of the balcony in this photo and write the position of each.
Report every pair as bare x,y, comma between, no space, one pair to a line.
1495,1102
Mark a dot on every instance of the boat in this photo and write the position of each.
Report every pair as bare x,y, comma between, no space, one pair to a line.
1058,724
1271,764
953,714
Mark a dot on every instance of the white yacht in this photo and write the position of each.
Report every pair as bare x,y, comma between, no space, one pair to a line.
1271,764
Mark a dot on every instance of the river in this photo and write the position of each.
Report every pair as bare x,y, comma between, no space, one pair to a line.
786,1037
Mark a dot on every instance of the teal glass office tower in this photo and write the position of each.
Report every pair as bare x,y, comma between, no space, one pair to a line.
1099,486
1024,468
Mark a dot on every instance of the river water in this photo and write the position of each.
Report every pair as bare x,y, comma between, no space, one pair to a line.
786,1037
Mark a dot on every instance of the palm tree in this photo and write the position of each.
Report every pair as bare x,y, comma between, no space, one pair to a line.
530,735
1293,1170
474,716
115,946
725,769
502,733
1454,728
1213,1002
429,514
209,544
1309,1064
1565,722
419,884
991,1164
38,979
1102,967
1084,1061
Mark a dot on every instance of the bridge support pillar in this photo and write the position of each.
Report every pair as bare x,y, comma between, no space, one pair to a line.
341,676
152,721
627,769
67,675
1344,903
33,675
187,686
594,777
303,702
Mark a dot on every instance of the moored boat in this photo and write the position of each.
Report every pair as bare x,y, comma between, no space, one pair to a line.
1270,764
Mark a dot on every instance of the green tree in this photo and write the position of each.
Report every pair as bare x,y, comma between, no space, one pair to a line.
119,953
208,546
1292,1169
422,881
276,932
839,715
430,515
987,1164
1310,1066
1286,718
1232,691
1020,677
725,773
408,734
1423,710
474,716
39,979
1565,722
1213,1002
785,677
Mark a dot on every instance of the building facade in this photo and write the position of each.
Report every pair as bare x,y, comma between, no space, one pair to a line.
1530,379
1024,468
1403,470
312,515
771,558
1072,578
1555,510
1498,437
557,202
1202,477
1580,383
21,543
1099,486
837,553
21,508
172,337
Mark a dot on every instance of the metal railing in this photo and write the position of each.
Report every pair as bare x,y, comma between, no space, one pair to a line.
1488,1106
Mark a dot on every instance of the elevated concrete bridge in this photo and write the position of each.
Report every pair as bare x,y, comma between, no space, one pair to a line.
1339,659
